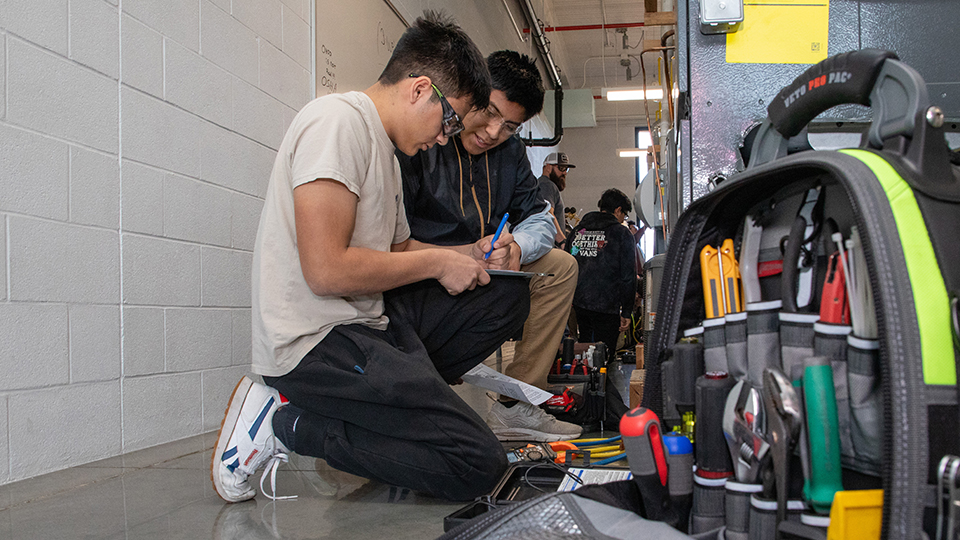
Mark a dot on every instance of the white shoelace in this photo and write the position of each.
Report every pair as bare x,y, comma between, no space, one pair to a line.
272,465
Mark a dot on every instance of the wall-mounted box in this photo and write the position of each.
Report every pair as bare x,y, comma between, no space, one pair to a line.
720,16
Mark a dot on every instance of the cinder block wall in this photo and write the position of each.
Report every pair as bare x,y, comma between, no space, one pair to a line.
136,140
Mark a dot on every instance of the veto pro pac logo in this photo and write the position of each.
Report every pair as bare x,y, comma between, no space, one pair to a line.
817,82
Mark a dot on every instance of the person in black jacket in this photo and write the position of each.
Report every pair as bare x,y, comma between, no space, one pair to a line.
605,252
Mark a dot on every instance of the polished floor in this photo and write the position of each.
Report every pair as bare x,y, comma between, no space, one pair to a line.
165,492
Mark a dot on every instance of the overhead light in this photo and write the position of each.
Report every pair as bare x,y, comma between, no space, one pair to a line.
632,152
631,94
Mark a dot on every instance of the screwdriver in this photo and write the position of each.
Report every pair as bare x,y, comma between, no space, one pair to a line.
823,434
713,459
640,429
679,474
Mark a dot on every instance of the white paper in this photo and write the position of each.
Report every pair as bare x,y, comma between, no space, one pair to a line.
593,476
490,379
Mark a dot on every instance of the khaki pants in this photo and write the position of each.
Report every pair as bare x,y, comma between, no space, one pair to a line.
550,302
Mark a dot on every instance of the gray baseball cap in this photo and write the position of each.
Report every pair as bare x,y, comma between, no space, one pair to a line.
558,158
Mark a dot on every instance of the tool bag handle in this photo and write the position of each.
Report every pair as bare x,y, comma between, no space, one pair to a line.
845,78
904,123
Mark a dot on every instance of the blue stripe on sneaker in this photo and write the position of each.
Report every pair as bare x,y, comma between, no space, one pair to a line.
263,413
229,454
233,466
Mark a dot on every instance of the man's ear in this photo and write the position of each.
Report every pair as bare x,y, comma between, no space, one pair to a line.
419,88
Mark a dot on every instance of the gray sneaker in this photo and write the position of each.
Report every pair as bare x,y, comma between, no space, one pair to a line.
526,422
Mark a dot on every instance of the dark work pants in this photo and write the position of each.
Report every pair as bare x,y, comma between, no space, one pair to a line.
378,403
594,327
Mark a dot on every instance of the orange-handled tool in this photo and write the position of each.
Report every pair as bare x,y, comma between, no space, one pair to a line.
712,282
733,302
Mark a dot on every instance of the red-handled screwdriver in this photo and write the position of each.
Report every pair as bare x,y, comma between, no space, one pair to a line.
640,428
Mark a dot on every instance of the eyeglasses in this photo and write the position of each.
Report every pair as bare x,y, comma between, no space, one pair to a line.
506,126
451,120
563,168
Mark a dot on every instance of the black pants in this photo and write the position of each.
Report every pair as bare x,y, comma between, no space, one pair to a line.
378,403
594,326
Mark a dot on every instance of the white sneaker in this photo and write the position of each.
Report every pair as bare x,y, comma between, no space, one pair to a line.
526,422
246,441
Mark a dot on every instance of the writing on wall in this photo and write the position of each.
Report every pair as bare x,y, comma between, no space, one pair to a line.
328,71
354,42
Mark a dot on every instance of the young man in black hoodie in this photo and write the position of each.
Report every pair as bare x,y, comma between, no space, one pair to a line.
605,253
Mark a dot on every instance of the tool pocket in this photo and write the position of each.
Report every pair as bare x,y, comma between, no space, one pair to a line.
763,340
830,341
735,334
708,507
863,377
679,380
796,341
763,517
668,377
737,509
714,345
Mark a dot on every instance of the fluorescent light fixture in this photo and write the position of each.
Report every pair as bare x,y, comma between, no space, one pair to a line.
631,94
631,152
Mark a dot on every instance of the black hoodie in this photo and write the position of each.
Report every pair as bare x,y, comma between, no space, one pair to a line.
606,254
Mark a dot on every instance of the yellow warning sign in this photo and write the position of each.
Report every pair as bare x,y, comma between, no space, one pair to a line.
781,32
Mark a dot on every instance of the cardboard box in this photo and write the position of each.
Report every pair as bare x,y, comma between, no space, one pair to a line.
580,348
636,387
639,351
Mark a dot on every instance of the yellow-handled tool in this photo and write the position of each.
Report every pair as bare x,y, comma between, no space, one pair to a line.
712,282
733,301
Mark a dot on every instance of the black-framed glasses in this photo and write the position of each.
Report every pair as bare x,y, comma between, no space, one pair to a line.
506,126
451,120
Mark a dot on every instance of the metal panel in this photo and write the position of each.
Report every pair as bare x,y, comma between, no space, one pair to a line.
726,99
924,35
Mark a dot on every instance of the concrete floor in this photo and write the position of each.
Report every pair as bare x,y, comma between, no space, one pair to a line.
165,492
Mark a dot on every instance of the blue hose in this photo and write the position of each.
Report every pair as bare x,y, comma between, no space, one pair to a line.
609,460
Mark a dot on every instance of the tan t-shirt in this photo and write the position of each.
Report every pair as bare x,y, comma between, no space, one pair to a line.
340,137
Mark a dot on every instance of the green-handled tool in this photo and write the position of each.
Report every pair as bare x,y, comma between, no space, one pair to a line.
823,434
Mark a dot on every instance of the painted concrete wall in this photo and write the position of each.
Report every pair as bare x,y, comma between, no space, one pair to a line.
136,139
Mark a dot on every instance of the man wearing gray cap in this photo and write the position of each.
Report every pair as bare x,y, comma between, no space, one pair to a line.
552,182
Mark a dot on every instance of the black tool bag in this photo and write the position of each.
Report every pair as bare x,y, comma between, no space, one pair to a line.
580,399
609,511
898,403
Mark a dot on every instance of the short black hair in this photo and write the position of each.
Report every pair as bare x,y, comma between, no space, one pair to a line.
517,76
612,199
437,48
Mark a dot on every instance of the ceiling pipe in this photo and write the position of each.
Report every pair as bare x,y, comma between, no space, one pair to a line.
543,46
520,35
396,12
588,27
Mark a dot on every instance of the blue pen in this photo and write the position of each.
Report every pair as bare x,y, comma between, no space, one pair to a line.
496,235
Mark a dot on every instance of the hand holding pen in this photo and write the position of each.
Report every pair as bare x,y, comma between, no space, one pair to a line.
499,251
496,235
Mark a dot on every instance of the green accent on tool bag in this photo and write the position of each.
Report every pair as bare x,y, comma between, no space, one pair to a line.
929,292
